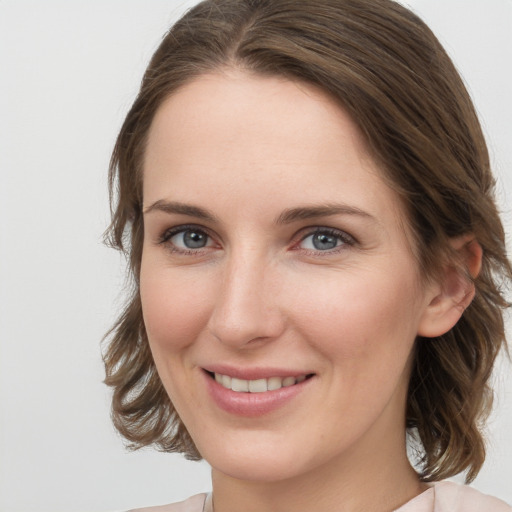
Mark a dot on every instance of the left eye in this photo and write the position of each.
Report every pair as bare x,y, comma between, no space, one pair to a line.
323,241
190,239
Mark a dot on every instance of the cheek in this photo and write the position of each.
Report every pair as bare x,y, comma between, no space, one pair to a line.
361,315
174,309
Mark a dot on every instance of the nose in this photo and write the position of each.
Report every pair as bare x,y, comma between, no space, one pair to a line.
247,308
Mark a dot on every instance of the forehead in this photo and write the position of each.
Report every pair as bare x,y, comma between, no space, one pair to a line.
250,135
234,115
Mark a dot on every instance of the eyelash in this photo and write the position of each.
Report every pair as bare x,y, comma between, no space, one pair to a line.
169,233
342,236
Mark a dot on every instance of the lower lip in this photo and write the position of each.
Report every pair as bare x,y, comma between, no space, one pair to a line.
252,404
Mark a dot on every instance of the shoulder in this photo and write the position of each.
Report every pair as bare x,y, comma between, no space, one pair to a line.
193,504
452,497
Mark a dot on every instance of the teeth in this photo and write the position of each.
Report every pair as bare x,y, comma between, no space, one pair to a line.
258,385
289,381
274,383
226,381
239,385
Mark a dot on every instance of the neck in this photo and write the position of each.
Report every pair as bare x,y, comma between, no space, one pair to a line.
380,482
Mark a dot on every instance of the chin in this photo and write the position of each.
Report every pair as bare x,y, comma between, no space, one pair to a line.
258,462
260,470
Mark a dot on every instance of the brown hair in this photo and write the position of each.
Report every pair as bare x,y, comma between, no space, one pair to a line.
390,73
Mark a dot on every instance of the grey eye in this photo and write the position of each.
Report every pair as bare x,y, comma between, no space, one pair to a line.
322,241
190,239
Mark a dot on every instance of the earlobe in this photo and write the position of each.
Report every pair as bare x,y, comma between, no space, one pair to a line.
454,290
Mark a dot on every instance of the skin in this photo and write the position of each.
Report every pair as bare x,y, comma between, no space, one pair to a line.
260,293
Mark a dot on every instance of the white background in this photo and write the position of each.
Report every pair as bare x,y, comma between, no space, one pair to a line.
69,71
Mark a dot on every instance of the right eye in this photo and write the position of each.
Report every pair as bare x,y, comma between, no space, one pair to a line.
187,239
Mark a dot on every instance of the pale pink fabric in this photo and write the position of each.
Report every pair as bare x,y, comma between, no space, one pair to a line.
196,503
451,497
441,497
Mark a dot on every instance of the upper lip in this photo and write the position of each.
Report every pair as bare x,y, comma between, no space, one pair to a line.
254,373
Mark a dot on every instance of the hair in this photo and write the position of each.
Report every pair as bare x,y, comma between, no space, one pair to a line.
389,72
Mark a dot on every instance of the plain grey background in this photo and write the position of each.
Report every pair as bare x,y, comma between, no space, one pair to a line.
69,71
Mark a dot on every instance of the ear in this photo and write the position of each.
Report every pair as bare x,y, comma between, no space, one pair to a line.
453,292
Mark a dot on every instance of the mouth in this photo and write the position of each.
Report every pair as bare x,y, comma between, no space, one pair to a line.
257,385
253,392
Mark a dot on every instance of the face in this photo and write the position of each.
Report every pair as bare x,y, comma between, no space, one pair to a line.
280,294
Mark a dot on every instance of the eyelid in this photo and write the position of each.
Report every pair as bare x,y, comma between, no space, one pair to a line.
165,237
346,238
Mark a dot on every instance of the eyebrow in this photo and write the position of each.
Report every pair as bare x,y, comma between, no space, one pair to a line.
180,208
288,216
311,212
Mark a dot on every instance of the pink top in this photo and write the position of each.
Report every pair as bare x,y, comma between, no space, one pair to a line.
441,497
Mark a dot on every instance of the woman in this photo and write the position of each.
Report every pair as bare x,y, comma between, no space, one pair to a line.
305,197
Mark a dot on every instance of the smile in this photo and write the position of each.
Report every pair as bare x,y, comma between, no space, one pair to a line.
261,392
257,385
